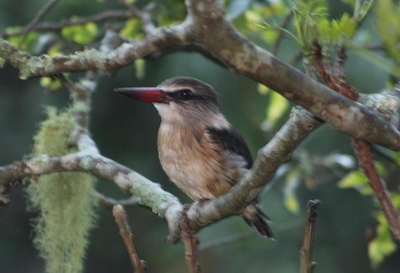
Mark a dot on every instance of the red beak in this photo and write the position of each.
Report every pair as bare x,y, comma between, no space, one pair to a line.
145,94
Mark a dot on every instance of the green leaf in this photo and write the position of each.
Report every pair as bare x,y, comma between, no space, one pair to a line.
291,203
140,68
262,89
29,42
55,50
291,183
50,83
382,245
80,34
277,106
396,157
356,180
388,27
133,29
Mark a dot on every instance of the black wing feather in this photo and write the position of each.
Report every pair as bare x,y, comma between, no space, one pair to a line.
232,141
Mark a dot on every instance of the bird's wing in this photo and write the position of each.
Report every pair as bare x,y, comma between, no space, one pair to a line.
232,142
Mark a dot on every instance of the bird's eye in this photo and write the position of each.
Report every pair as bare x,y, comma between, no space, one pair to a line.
185,94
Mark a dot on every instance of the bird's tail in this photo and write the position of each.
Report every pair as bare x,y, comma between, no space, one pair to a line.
257,219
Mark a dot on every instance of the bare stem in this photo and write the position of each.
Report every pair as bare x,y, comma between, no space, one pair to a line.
367,165
190,241
306,263
125,231
35,20
109,202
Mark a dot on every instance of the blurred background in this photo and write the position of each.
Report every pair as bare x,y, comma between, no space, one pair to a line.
126,131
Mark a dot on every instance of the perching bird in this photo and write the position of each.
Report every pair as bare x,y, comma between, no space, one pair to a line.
198,148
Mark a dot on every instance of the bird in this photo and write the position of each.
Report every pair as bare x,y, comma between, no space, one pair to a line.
198,148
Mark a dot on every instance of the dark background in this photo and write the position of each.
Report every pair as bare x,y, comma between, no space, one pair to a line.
125,130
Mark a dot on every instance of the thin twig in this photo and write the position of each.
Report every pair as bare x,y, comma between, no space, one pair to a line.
190,241
306,262
283,24
35,20
126,234
367,165
144,16
98,18
109,202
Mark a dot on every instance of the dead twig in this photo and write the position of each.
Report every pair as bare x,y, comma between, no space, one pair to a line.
306,262
190,241
367,165
109,202
126,234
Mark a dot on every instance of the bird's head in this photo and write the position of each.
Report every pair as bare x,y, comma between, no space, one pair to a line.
179,98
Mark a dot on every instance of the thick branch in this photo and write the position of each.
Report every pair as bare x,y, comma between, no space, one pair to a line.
269,159
256,63
148,193
237,53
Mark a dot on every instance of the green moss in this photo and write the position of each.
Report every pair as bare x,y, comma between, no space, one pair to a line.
64,201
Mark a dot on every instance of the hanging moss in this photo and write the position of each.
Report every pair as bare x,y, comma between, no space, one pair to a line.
64,200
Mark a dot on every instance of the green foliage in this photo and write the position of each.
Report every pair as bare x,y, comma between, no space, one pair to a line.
80,34
312,23
388,26
50,83
277,106
29,42
356,180
292,181
249,21
169,12
132,29
64,200
140,66
382,245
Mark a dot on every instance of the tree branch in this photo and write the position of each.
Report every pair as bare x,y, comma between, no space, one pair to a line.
148,193
239,55
121,219
109,202
57,26
268,160
367,165
46,8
